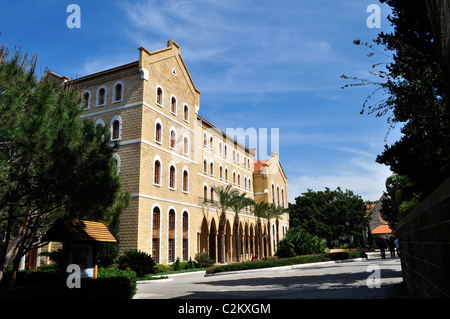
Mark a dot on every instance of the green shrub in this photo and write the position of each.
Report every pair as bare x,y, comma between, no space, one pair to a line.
203,260
286,261
138,261
299,242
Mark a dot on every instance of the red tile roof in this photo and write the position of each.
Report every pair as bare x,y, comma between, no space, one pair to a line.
258,166
383,229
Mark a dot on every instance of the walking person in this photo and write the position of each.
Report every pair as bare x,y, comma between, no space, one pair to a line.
382,246
397,247
392,247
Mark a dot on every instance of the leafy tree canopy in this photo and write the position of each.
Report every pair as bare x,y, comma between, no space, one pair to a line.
329,214
53,164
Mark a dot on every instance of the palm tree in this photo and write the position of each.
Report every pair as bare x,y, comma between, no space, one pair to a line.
238,202
260,210
223,202
274,211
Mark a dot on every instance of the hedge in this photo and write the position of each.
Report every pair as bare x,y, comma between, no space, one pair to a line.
277,262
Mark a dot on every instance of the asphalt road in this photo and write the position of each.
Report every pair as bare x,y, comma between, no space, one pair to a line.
373,278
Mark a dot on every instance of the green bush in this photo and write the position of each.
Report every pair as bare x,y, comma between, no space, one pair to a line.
299,242
203,260
138,261
286,261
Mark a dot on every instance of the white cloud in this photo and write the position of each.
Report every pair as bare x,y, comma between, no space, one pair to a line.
361,175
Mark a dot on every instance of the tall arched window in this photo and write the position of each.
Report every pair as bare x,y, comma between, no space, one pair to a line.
172,177
234,178
205,139
186,113
205,193
101,96
173,105
282,197
86,99
211,143
157,173
155,234
116,130
118,92
226,174
278,196
173,139
159,96
185,236
205,166
273,194
211,168
158,132
185,146
220,172
171,244
185,181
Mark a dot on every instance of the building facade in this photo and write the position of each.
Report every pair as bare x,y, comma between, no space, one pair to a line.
169,156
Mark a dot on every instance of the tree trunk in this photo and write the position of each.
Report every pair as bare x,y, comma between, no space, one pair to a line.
269,238
259,239
237,246
222,224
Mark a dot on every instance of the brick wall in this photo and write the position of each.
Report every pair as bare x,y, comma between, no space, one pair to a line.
424,238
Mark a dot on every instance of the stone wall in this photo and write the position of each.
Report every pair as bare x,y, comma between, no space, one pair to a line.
424,239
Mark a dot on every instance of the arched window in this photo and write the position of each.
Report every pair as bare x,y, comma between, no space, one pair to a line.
101,96
248,163
273,194
211,143
173,105
212,194
159,96
239,179
158,132
205,166
234,156
282,197
245,181
278,196
237,158
211,168
116,126
185,146
226,174
157,173
186,113
234,178
172,177
173,139
225,150
205,194
205,139
155,233
118,92
249,184
245,162
185,236
116,130
220,148
221,172
185,181
171,244
86,99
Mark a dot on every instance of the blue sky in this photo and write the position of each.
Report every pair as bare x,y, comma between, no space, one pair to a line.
259,64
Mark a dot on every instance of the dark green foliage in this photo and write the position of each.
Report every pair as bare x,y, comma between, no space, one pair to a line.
138,261
203,260
278,262
299,242
329,214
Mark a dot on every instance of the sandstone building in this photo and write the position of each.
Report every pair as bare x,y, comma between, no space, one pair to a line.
169,156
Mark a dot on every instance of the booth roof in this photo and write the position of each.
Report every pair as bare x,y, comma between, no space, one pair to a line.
78,230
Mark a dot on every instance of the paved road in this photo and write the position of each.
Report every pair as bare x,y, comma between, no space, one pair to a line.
343,280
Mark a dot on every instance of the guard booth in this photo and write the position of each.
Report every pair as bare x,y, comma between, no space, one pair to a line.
80,240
